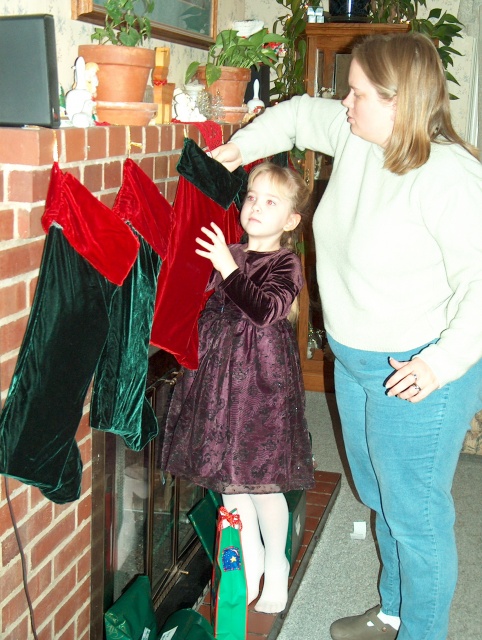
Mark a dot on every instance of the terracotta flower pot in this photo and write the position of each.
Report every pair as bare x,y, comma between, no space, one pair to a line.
231,86
123,71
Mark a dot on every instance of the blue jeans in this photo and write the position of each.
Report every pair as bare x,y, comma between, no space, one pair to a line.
403,458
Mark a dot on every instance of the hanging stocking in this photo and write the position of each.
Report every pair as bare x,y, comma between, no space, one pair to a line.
119,404
91,228
67,328
205,194
140,203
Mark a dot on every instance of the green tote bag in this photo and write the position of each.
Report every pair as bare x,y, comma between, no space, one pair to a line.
132,616
229,600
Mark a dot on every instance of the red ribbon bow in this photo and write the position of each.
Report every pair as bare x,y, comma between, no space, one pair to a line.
233,519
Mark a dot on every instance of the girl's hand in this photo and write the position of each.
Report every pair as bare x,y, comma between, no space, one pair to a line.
217,250
413,380
229,155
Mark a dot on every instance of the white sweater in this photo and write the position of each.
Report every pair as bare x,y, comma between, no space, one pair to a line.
399,258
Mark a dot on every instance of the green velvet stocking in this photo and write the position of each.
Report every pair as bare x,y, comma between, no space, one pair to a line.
66,331
82,320
118,402
206,192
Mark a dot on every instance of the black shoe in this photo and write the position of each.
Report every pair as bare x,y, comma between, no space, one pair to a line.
356,627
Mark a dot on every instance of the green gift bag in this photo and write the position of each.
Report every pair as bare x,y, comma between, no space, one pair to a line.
203,518
229,600
296,501
186,624
132,616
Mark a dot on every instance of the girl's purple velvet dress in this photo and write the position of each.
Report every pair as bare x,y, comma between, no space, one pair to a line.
237,423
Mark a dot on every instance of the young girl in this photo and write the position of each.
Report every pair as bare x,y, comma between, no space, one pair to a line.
237,425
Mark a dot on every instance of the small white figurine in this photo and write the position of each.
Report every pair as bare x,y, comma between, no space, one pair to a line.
184,108
319,14
311,14
79,104
255,105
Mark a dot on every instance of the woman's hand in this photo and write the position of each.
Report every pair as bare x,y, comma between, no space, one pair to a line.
413,380
229,155
217,251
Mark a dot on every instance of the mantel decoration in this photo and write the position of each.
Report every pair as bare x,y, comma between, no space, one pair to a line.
124,65
228,69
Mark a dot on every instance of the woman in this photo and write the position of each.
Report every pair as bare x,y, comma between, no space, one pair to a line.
398,238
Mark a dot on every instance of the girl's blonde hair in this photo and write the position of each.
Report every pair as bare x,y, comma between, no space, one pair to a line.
408,68
291,186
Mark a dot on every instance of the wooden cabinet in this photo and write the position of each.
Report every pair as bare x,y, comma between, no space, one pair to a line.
329,47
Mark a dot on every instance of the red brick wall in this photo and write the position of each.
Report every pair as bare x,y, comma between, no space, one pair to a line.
56,538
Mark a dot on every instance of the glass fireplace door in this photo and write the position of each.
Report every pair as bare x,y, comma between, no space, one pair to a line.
139,521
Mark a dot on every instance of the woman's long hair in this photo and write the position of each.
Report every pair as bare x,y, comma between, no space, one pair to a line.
407,68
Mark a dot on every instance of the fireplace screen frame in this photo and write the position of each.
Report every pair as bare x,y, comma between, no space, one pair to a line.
131,497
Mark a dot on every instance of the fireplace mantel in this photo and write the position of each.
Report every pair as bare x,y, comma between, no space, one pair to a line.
58,538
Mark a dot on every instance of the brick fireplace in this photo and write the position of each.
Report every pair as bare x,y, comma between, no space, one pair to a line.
57,539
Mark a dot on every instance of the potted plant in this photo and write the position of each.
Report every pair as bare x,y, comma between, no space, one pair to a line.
228,69
124,66
290,70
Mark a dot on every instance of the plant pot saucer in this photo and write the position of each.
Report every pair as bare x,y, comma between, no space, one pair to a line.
233,115
126,113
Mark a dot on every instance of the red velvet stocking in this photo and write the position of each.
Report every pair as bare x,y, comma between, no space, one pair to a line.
90,227
140,202
181,291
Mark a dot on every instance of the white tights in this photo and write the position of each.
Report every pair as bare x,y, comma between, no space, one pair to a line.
264,515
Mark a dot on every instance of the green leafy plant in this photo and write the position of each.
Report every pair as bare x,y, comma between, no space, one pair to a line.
123,26
232,50
290,71
438,25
